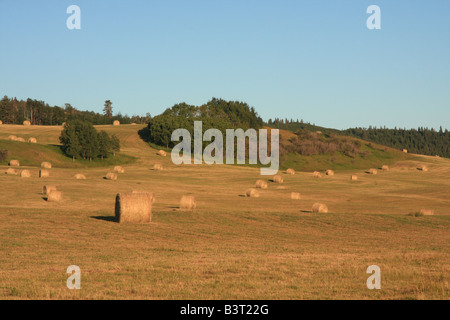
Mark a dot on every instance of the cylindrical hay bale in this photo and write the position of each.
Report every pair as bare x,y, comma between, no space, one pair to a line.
119,169
162,153
319,208
25,174
27,123
46,165
290,171
116,123
188,203
80,176
54,196
12,171
405,150
20,139
277,179
44,173
158,167
329,173
47,189
427,212
317,174
295,196
12,138
423,168
111,176
261,184
151,195
252,193
133,207
14,163
353,177
133,124
32,140
373,171
385,168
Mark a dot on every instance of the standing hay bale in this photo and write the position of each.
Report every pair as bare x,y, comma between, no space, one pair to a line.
46,165
32,140
119,169
405,151
158,167
111,176
162,153
27,123
261,184
353,177
317,174
116,123
47,189
12,138
14,163
151,195
295,195
329,173
427,212
44,173
277,179
25,174
319,208
290,171
252,193
12,171
385,168
55,196
80,176
373,171
20,139
133,207
188,203
423,168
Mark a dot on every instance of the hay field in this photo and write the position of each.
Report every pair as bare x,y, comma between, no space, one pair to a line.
230,246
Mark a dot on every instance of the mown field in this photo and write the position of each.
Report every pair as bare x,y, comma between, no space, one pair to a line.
230,247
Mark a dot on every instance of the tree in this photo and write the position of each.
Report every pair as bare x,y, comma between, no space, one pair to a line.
104,145
107,110
115,144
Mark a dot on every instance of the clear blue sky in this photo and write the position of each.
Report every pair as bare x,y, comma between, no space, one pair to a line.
313,60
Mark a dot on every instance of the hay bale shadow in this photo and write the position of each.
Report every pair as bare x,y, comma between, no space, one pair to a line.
105,218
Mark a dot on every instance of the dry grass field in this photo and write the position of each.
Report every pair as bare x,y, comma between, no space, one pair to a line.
231,246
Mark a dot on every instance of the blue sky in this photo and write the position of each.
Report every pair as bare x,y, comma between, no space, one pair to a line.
312,60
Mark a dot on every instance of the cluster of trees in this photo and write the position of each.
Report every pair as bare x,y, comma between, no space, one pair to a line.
422,141
13,111
80,140
295,125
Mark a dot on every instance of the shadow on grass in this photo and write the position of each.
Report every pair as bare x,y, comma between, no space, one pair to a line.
105,218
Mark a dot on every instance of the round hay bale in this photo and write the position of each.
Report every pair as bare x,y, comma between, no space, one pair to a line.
423,168
295,195
119,169
14,163
427,212
158,166
47,189
188,203
385,168
1,122
54,196
290,171
353,177
46,165
20,139
25,174
133,124
111,176
162,153
405,150
32,140
319,208
44,173
252,193
12,138
317,174
261,184
373,171
151,195
329,173
133,207
27,123
80,176
12,171
116,123
319,132
277,179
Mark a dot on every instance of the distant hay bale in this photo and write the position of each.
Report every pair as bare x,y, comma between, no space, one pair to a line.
119,169
277,179
80,176
116,123
295,195
46,165
373,171
427,212
317,174
252,193
111,176
27,123
422,168
47,189
353,177
12,138
329,173
162,153
405,150
12,171
188,203
32,140
261,184
54,196
44,173
385,168
290,171
151,195
25,174
319,132
20,139
14,163
319,208
1,122
133,208
158,166
133,124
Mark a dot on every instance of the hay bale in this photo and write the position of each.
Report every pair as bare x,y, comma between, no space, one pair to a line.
119,169
295,195
252,193
46,165
329,173
12,171
12,138
427,212
25,174
385,168
133,207
162,153
353,177
32,140
54,196
317,174
47,189
319,208
158,166
133,124
188,203
111,176
373,171
277,179
423,168
290,171
1,122
80,176
261,184
44,173
151,195
14,163
20,139
116,123
405,150
27,123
